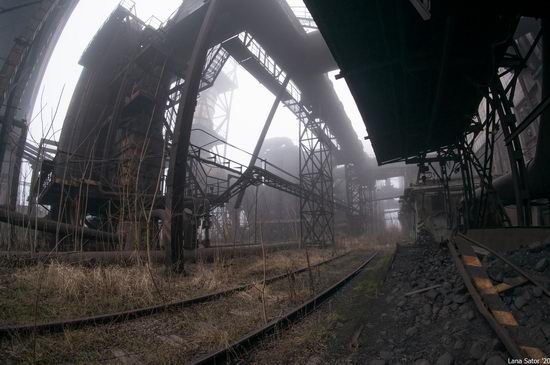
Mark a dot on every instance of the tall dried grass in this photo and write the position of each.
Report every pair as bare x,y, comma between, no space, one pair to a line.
60,290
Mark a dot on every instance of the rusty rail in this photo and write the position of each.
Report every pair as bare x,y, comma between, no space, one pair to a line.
248,341
60,326
499,330
508,262
488,302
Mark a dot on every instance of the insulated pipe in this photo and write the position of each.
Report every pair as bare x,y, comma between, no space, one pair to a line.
50,226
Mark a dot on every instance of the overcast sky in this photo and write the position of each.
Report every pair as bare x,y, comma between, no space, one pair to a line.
251,102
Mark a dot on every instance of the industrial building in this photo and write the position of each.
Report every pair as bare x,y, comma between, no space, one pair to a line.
142,169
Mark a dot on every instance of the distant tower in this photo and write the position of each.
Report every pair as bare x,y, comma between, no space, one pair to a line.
213,112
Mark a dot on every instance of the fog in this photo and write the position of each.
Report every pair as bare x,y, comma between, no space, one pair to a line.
251,101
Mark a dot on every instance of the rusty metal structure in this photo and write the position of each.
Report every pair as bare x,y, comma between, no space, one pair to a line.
125,162
448,78
139,156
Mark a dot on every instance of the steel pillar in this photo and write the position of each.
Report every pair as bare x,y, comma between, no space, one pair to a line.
261,138
19,150
317,201
444,177
504,107
482,207
174,221
356,199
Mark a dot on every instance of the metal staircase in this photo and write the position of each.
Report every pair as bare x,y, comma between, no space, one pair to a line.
215,60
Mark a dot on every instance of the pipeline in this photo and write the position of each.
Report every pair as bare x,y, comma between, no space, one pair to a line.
50,226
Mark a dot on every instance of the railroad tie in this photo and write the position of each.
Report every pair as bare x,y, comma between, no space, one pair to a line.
489,294
126,358
172,340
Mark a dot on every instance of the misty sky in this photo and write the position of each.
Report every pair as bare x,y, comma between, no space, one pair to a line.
251,101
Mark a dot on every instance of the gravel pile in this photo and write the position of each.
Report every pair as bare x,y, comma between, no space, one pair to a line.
437,326
528,303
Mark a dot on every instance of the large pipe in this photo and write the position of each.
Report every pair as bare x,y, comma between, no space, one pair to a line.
46,225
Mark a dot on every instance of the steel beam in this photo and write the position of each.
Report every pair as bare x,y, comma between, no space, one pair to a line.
173,224
317,201
503,106
19,150
261,139
535,113
356,199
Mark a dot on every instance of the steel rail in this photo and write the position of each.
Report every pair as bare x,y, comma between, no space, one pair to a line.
500,331
60,326
248,341
508,262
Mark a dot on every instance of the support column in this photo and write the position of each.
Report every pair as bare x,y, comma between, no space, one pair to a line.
17,165
356,199
445,179
317,201
503,106
261,139
173,225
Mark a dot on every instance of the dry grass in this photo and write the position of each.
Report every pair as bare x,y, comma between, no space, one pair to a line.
310,340
383,240
68,291
200,328
60,291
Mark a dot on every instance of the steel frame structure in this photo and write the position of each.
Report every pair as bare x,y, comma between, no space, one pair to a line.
356,199
186,182
315,188
482,206
444,175
175,219
316,147
317,202
502,100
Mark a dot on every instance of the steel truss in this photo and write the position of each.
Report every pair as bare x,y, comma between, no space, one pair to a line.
502,102
481,206
446,161
501,98
189,192
356,195
316,146
317,201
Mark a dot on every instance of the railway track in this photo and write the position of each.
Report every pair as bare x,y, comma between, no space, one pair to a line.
110,318
487,296
247,342
177,334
